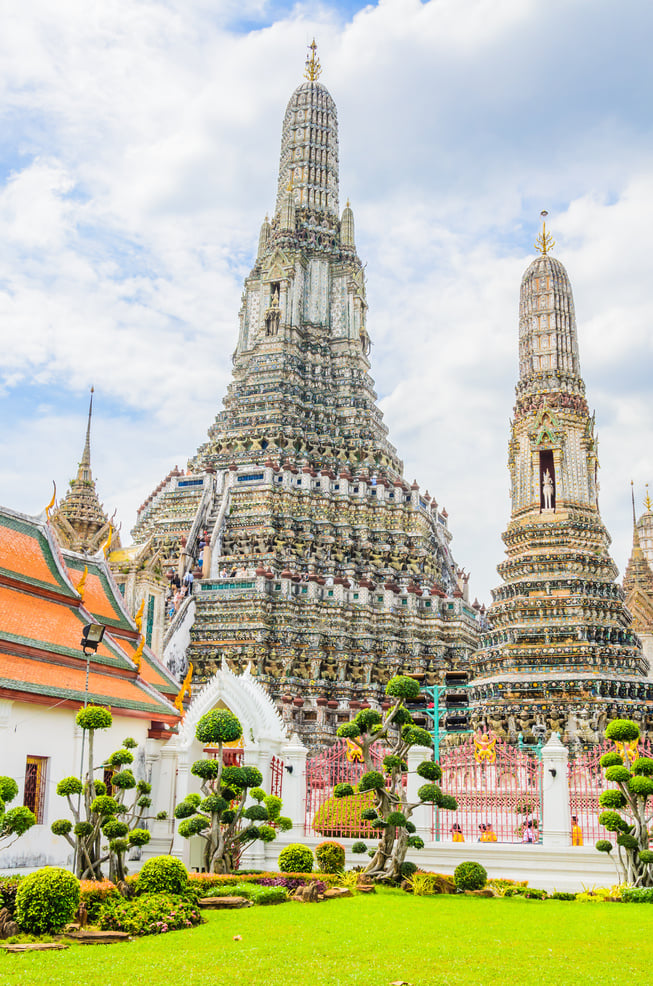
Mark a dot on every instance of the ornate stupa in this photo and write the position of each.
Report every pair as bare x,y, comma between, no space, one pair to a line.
80,521
561,652
317,562
638,579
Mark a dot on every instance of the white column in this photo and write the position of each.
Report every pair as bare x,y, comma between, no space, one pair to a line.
422,816
294,784
556,812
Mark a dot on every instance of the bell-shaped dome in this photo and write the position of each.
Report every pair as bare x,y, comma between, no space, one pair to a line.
309,149
548,343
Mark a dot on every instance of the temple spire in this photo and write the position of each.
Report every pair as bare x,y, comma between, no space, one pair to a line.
313,68
84,472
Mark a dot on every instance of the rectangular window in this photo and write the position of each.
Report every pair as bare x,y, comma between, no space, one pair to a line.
35,784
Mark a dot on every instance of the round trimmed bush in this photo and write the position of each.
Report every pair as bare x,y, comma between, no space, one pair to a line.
430,793
252,776
162,874
206,769
410,827
330,857
407,869
627,841
612,759
343,791
8,788
622,730
448,803
348,730
402,717
120,758
391,762
273,804
369,814
358,848
46,900
415,842
643,766
645,856
184,809
296,858
618,774
256,813
641,786
371,781
416,736
214,803
430,770
396,818
139,837
61,826
257,793
470,876
612,799
124,780
129,743
193,826
115,829
266,833
366,719
70,786
611,821
94,717
218,726
82,829
104,804
233,777
604,845
401,686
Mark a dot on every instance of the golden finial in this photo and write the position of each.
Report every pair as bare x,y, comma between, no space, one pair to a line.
647,500
348,206
184,690
313,68
81,585
51,503
290,186
138,617
545,241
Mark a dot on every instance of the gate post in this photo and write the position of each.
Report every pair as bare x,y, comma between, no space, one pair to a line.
422,815
294,783
556,813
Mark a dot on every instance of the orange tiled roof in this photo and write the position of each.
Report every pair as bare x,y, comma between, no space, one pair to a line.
100,596
26,554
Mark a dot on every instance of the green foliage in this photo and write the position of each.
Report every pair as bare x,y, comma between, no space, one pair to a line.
104,805
193,799
124,780
358,848
214,803
113,828
62,826
401,686
252,776
618,774
330,857
637,895
470,876
415,842
256,813
143,787
233,776
83,829
284,824
410,827
622,730
391,762
129,743
8,788
295,858
120,758
627,841
343,791
270,895
218,726
416,736
611,759
396,818
643,766
257,793
371,781
408,869
348,730
150,914
193,826
402,717
562,895
430,770
448,803
100,787
266,833
162,874
69,786
369,814
641,786
273,805
612,798
611,821
206,769
366,719
139,837
379,823
604,845
17,821
185,809
46,900
646,856
94,717
430,793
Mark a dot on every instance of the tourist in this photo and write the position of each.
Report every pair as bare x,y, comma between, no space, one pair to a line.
188,581
576,832
481,837
176,581
489,835
457,833
528,834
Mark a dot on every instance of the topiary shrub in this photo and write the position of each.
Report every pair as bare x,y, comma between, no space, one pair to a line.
358,848
46,900
151,914
344,817
470,876
163,874
407,869
295,858
330,857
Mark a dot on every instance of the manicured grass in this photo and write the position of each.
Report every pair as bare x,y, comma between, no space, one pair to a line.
457,941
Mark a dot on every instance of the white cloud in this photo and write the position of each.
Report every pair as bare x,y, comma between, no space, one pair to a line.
140,146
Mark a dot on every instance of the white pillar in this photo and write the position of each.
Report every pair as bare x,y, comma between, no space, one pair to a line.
294,784
556,812
422,816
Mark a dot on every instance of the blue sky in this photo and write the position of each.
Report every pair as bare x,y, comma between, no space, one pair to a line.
138,156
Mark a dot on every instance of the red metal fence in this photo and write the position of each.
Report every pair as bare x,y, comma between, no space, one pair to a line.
333,817
586,781
276,776
498,789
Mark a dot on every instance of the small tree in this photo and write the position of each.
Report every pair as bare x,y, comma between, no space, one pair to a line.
221,817
392,810
628,808
97,813
16,821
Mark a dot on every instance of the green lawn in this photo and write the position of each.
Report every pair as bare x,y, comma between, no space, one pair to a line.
437,940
